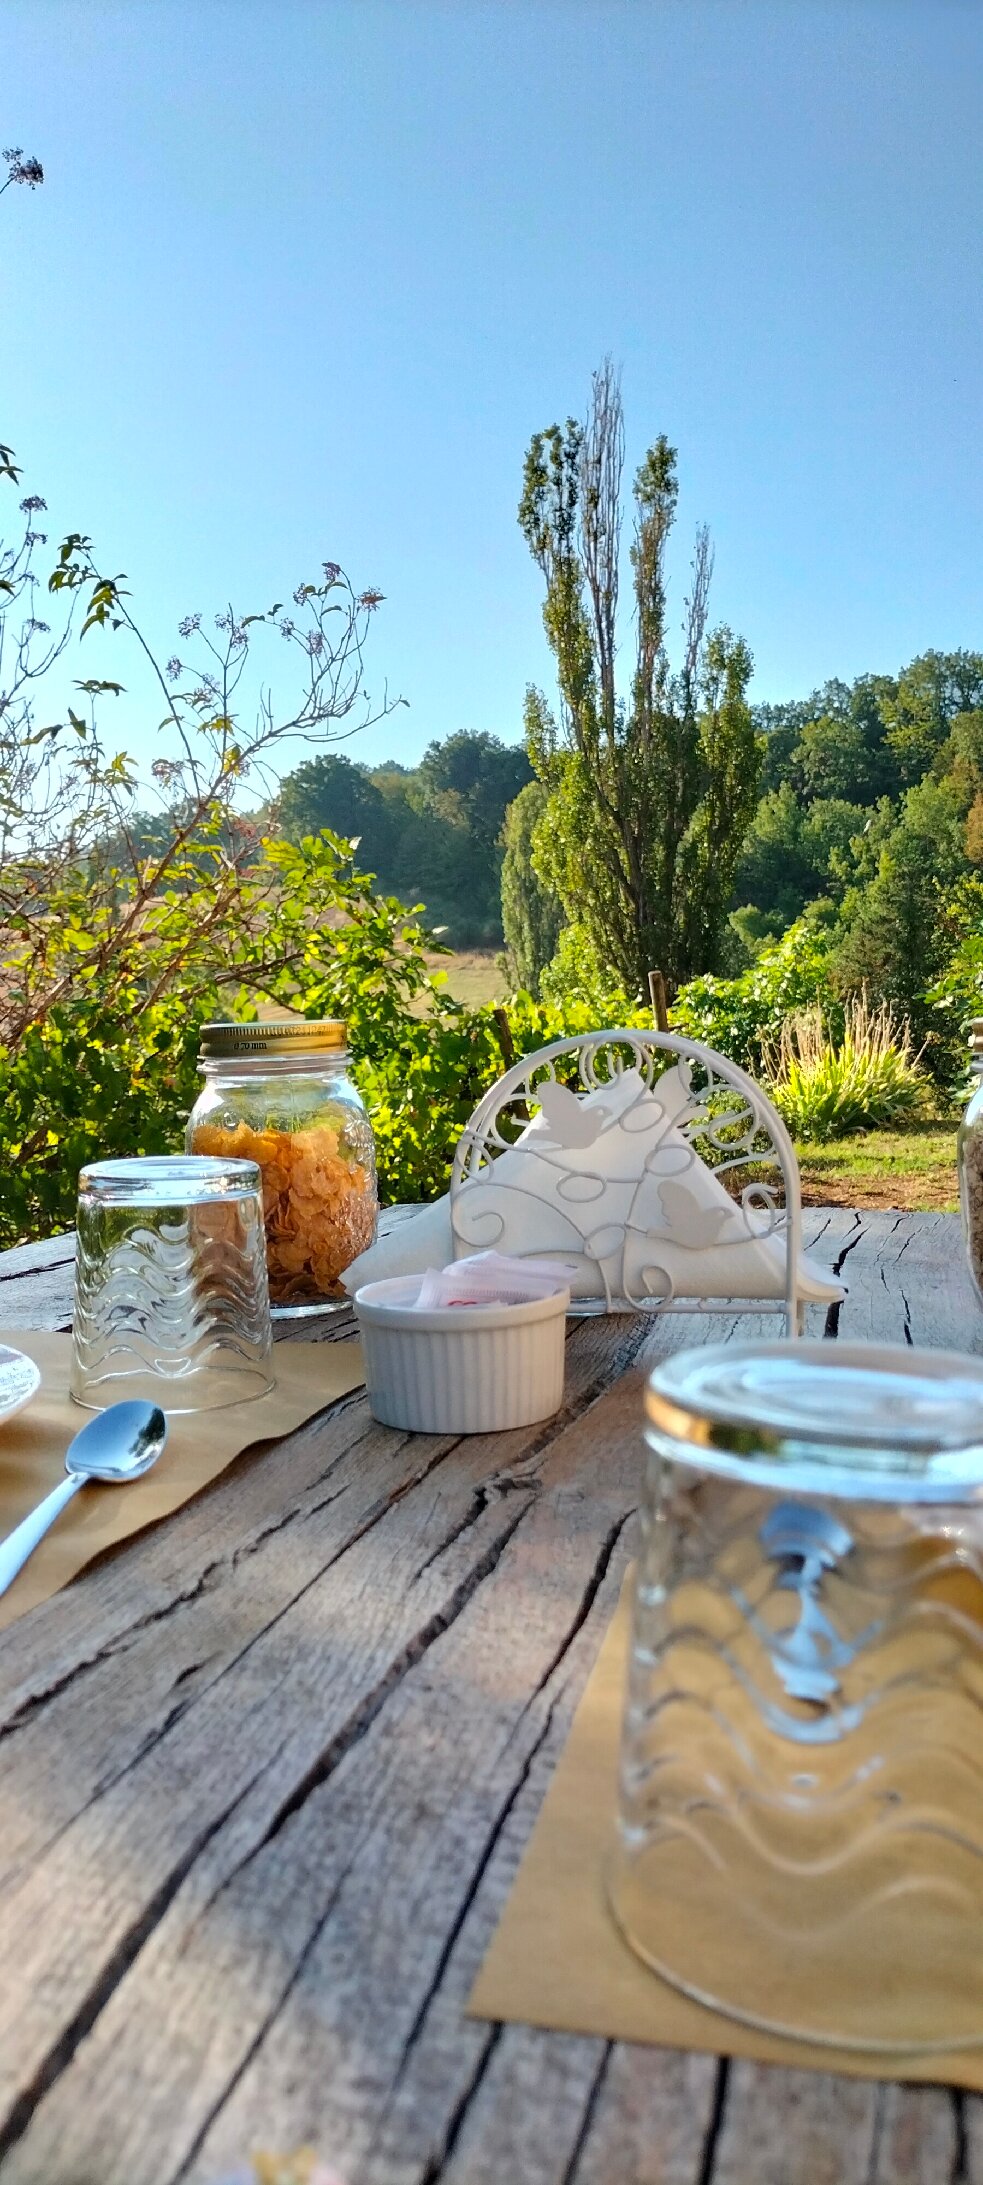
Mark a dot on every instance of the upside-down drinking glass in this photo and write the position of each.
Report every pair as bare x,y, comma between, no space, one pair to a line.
171,1298
801,1797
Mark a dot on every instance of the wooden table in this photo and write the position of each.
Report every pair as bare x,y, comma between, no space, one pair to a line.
267,1774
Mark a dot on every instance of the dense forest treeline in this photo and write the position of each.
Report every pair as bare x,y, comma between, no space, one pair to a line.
870,827
430,833
837,771
869,822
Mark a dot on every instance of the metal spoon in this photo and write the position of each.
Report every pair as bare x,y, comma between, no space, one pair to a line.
116,1446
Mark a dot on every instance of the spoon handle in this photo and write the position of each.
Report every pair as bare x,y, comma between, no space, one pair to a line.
21,1543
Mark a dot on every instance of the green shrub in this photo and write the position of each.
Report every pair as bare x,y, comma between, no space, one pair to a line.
112,1070
869,1079
957,996
742,1017
577,980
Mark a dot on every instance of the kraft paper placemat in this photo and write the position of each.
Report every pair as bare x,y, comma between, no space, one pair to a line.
557,1959
33,1443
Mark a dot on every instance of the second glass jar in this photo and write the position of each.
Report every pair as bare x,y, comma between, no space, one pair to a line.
280,1094
969,1156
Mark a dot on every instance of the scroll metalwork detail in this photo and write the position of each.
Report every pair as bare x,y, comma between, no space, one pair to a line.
658,1166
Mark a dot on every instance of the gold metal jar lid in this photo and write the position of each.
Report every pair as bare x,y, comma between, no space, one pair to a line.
290,1036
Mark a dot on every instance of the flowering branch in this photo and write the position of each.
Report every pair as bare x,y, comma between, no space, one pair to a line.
20,169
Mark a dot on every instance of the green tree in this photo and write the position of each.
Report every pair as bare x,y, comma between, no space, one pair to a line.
330,791
749,933
430,834
919,711
832,759
832,744
469,780
743,1016
651,793
959,763
895,930
531,914
795,852
779,727
476,777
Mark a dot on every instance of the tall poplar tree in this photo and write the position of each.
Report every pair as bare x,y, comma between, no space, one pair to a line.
651,792
532,916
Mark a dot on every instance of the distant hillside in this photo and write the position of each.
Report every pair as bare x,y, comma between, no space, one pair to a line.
431,834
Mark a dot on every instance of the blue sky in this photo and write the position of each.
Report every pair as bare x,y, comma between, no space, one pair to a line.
304,276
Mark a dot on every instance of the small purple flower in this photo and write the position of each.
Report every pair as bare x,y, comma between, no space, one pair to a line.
188,627
21,169
173,668
32,503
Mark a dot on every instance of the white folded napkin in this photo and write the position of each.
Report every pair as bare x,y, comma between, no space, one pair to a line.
487,1278
608,1179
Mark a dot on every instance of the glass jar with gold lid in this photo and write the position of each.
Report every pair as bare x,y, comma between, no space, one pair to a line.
280,1094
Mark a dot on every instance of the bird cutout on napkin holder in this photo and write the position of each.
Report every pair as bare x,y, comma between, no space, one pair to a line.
612,1176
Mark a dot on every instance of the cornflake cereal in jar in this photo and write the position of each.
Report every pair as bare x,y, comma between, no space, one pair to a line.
280,1095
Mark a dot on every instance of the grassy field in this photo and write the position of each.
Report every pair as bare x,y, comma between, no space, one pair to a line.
473,976
914,1169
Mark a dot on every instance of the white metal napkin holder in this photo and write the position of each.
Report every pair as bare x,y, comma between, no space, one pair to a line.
622,1230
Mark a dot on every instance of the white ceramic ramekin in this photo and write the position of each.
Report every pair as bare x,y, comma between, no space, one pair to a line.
461,1369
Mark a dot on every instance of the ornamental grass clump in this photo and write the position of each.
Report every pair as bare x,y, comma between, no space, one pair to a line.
871,1079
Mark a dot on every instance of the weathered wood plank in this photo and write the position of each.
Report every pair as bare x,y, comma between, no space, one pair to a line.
802,2128
150,1629
25,1259
909,1284
351,1764
795,2128
968,2114
36,1282
38,1297
920,2137
643,2116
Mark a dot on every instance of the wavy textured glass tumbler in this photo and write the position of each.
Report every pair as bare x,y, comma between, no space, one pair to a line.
801,1796
171,1297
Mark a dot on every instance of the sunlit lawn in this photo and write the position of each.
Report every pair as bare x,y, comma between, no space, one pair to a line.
473,976
914,1169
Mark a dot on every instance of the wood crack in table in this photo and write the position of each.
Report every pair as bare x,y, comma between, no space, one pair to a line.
267,1772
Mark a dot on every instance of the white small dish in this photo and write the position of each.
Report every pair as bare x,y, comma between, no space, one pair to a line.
20,1379
460,1369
